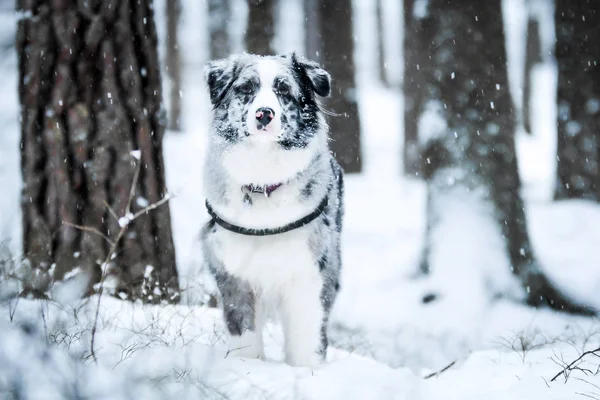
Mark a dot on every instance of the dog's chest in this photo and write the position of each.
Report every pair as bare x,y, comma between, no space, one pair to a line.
268,263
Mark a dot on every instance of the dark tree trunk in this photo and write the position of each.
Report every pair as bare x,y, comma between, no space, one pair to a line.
261,27
219,15
417,38
381,63
312,38
90,94
533,56
578,57
471,162
174,63
338,58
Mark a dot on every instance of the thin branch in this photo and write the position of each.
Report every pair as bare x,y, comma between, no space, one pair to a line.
111,210
546,382
588,382
446,368
229,351
113,248
114,243
152,206
89,229
133,188
587,395
571,366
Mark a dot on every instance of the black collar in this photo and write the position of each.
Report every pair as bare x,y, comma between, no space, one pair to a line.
269,231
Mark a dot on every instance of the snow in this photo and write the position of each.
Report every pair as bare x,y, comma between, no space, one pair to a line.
385,340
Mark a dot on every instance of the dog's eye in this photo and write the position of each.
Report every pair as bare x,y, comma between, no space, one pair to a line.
283,89
246,88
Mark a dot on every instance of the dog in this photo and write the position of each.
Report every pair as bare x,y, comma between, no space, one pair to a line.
275,196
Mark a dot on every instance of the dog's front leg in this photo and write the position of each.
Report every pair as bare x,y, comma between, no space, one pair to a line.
303,315
243,317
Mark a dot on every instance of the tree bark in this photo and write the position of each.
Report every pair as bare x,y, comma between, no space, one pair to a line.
471,163
338,58
90,94
261,27
312,39
533,56
417,37
219,15
174,63
577,55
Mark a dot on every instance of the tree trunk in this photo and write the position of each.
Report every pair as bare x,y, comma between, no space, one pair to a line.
381,63
533,56
90,94
312,39
174,63
578,57
471,166
338,59
417,37
219,16
261,27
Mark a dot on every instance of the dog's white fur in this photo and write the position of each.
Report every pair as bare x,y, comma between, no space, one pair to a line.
281,269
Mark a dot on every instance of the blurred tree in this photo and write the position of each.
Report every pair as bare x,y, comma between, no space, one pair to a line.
335,26
174,63
219,15
312,38
533,56
90,95
417,36
577,52
261,27
470,150
381,56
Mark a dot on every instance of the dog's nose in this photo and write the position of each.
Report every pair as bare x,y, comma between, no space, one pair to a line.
264,115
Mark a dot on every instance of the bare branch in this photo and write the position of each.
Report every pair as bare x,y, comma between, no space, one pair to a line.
89,229
153,206
588,396
446,368
572,366
133,188
111,210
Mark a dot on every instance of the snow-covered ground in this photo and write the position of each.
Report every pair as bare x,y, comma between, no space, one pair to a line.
385,340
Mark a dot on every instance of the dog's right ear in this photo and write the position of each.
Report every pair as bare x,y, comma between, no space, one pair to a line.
219,77
320,80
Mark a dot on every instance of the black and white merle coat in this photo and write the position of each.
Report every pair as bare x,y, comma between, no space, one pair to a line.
294,275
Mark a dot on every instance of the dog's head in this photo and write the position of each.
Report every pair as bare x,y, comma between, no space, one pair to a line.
267,108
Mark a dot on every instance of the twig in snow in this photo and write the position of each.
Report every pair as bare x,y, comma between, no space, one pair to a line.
124,224
237,348
588,382
588,396
446,368
573,365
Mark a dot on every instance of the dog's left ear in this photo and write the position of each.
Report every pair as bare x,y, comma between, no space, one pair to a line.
319,78
219,77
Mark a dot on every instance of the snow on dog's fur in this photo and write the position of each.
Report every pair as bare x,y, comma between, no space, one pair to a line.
269,130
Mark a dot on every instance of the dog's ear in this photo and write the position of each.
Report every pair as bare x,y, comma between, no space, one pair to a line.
219,75
319,78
